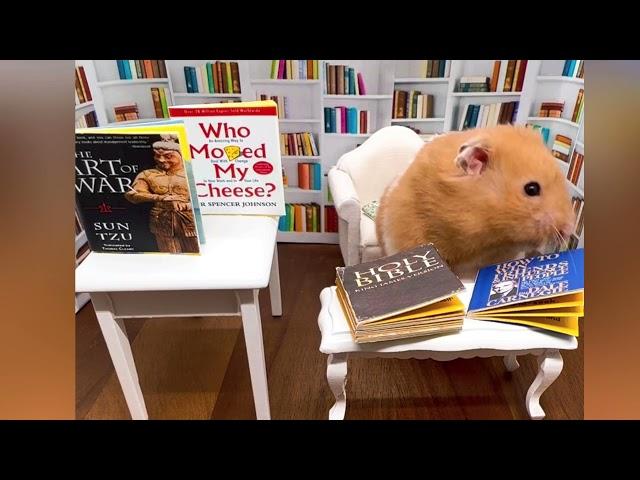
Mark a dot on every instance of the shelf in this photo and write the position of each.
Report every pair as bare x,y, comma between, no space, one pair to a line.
300,157
299,120
138,81
208,95
554,119
301,190
559,78
417,120
421,80
307,237
486,94
84,105
576,188
279,81
358,97
347,135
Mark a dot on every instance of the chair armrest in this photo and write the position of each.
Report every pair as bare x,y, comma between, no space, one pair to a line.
344,196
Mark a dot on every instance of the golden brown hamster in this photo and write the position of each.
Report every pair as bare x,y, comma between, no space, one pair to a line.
480,196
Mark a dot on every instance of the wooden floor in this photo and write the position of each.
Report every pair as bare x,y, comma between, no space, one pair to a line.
196,368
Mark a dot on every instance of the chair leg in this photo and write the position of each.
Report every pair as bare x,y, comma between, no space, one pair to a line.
549,367
274,285
337,378
115,336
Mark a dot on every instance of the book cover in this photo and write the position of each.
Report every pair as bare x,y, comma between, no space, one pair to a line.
133,192
546,291
236,156
398,283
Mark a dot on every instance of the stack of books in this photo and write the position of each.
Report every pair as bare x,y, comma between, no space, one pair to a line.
545,291
126,112
405,295
579,107
508,75
301,144
473,84
309,176
561,147
551,109
300,217
489,115
412,104
346,120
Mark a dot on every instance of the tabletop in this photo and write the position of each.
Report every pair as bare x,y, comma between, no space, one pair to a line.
237,254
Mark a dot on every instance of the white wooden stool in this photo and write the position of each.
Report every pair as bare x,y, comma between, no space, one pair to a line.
476,339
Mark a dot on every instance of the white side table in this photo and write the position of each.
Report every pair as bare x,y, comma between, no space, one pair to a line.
476,339
238,258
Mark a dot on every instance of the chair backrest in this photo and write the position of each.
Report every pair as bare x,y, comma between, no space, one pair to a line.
374,164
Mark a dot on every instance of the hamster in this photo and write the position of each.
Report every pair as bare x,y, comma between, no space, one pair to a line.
481,196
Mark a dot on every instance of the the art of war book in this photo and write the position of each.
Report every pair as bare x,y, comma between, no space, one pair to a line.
409,294
235,151
545,291
133,192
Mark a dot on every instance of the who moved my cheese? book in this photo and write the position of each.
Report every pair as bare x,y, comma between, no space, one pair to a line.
545,291
409,294
235,151
133,190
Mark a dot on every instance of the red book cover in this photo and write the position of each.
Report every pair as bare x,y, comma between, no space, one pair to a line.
521,72
85,84
303,176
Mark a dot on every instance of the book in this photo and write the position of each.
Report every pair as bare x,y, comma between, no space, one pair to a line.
544,291
133,191
409,294
235,153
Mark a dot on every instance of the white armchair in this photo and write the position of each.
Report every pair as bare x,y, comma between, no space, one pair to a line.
361,176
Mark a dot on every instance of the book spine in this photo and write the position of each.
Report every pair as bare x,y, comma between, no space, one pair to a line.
229,78
235,77
164,95
187,80
327,120
155,68
132,70
494,76
157,107
127,69
521,73
163,68
121,72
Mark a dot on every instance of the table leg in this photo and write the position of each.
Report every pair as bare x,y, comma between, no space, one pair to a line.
115,336
337,378
274,285
250,310
549,367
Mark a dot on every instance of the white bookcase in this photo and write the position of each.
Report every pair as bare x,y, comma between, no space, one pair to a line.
307,99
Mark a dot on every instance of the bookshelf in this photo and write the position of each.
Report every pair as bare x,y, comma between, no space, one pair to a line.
307,99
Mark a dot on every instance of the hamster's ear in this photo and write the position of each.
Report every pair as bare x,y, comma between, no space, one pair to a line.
473,157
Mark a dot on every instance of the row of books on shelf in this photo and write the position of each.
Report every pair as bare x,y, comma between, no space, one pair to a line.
309,176
507,76
300,217
298,144
139,69
159,96
578,210
488,115
88,120
573,68
217,77
575,167
412,104
435,68
544,131
281,101
295,70
342,80
348,120
82,91
554,109
421,295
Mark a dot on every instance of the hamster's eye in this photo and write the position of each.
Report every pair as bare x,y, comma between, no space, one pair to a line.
532,189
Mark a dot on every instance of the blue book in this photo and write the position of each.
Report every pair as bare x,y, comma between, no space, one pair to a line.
474,115
352,81
282,223
333,121
352,120
194,80
127,69
545,291
317,176
327,120
120,70
187,80
565,68
441,68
